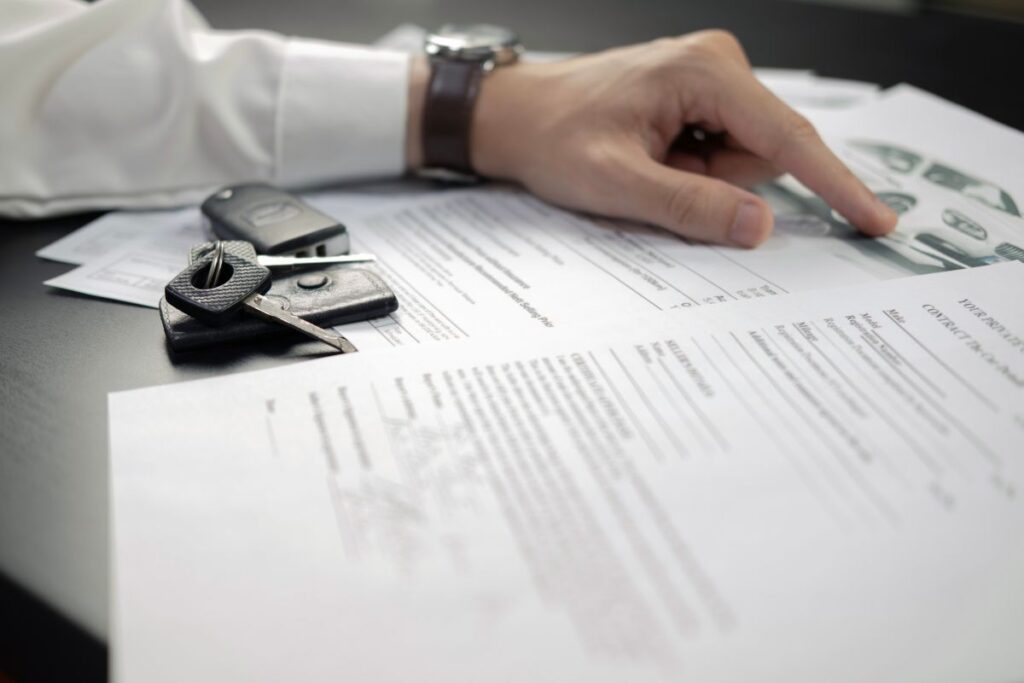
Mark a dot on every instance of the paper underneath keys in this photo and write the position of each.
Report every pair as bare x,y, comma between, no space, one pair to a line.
130,268
820,487
112,231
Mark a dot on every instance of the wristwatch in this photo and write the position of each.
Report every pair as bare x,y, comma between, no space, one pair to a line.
460,57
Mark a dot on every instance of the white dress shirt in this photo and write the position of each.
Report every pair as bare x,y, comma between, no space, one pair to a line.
138,103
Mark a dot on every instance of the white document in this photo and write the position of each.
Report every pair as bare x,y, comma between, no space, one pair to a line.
126,261
114,230
813,95
819,487
480,262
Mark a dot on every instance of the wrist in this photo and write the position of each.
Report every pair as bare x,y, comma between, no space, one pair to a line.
496,145
488,134
499,144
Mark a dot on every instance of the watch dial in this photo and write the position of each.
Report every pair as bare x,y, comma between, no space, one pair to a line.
474,36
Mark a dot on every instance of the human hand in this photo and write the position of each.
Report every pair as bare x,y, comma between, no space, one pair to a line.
598,133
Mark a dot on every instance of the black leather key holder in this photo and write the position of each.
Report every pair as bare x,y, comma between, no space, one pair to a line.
214,305
331,296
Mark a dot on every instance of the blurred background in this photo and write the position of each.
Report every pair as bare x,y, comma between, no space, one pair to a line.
302,14
1007,9
1011,10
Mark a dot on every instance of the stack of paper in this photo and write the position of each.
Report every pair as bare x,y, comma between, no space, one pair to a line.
823,486
614,455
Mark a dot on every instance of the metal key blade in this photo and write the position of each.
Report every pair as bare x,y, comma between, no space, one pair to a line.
263,307
304,261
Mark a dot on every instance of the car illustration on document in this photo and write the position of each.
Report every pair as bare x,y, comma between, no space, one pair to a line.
949,219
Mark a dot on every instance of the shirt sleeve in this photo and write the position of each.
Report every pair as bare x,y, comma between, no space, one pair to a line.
138,103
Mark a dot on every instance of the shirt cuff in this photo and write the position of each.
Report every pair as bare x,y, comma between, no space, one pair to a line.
342,113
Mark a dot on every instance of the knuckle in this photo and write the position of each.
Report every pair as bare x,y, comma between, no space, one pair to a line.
700,63
801,130
665,58
604,166
712,46
718,45
684,205
700,49
665,44
701,54
599,157
797,131
722,39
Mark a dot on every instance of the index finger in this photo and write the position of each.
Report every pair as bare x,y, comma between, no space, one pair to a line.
768,127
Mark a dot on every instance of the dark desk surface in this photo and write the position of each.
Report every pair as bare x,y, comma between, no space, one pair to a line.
60,354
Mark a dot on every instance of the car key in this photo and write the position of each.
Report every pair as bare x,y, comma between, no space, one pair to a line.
311,261
275,221
248,251
239,286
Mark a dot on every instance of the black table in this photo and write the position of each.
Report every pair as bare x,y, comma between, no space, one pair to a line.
60,354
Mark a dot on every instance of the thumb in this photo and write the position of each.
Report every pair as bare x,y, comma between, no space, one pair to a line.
694,206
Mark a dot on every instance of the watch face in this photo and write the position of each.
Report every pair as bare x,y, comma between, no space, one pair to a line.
472,41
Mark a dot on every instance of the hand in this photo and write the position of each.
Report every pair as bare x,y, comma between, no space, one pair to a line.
596,133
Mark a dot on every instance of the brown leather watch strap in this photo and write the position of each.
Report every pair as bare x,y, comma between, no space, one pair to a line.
448,113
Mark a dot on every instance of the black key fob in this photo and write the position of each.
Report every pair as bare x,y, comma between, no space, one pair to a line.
217,305
275,221
332,296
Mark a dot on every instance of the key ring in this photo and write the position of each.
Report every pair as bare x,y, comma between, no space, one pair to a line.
213,274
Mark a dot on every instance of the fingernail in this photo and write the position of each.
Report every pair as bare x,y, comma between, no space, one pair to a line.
747,230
